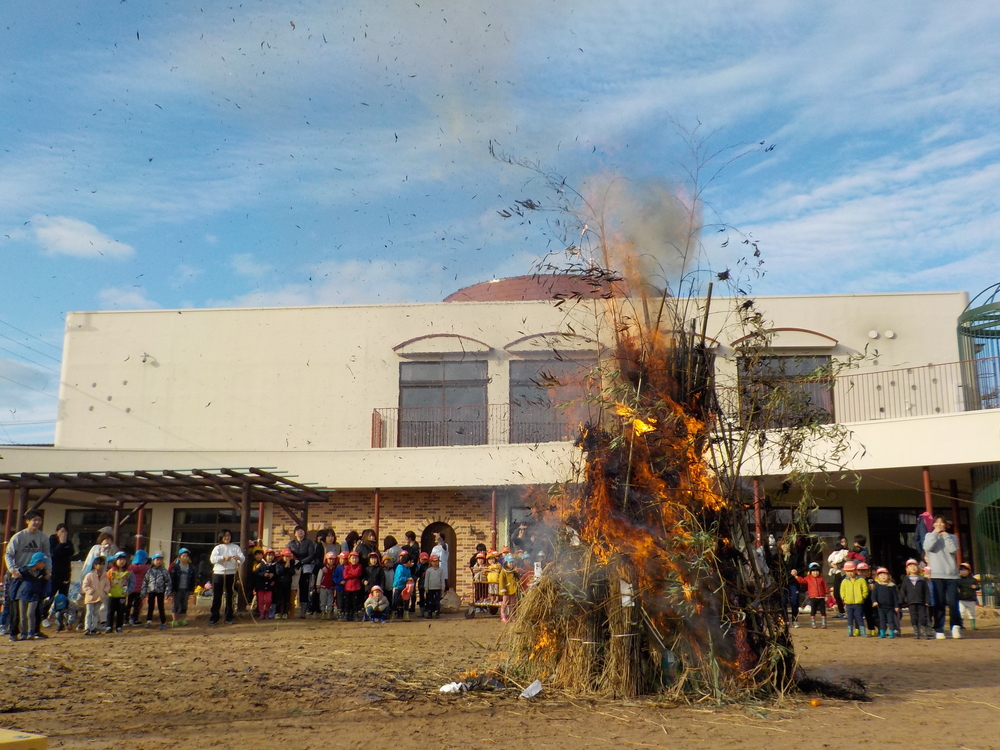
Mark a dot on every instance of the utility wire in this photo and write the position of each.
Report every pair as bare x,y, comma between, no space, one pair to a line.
43,354
37,390
30,335
37,364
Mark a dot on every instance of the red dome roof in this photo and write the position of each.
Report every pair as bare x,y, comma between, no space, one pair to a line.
537,287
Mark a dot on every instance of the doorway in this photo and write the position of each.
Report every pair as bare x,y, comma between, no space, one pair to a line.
427,543
892,537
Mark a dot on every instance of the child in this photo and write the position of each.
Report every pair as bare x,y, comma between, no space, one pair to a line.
138,568
156,587
915,596
61,611
263,575
95,587
967,588
379,572
433,586
480,585
871,619
182,581
859,552
400,578
423,563
817,591
327,586
376,605
885,600
508,586
283,582
338,583
121,579
493,577
29,591
853,591
352,585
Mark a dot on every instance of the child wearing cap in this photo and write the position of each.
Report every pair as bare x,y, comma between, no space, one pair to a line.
338,584
156,588
376,605
871,618
401,577
433,585
493,577
121,579
967,588
327,585
352,586
853,590
284,580
508,586
95,587
263,575
28,593
914,594
138,568
480,585
885,600
182,581
816,590
378,573
423,563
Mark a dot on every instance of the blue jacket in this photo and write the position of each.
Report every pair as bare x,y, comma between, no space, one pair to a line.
401,576
32,586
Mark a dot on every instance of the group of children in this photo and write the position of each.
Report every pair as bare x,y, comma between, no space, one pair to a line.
874,607
347,589
495,580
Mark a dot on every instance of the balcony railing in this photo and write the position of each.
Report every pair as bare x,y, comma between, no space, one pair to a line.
856,396
430,426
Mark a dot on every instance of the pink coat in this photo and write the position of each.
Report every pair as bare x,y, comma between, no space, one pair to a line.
95,588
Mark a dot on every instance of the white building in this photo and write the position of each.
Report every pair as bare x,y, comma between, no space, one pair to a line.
413,410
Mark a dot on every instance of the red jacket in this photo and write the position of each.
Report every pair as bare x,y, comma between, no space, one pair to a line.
815,585
326,577
352,576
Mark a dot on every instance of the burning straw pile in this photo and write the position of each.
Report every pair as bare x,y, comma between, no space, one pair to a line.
655,584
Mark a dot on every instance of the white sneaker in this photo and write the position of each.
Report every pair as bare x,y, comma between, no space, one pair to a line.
939,636
956,631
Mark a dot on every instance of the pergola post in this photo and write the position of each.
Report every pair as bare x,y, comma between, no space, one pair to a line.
242,595
23,495
928,499
116,528
378,508
7,523
953,491
140,540
260,522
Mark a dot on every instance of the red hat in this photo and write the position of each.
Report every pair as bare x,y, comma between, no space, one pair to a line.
481,554
353,554
863,566
911,561
268,551
287,553
849,565
404,552
505,551
966,566
880,571
423,556
342,555
376,586
331,555
435,558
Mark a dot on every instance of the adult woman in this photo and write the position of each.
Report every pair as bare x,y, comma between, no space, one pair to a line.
941,550
105,548
392,548
62,551
226,560
351,541
330,544
367,545
441,550
304,550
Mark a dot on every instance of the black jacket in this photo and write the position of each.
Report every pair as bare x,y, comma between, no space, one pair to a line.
62,556
885,596
175,577
305,552
913,593
261,580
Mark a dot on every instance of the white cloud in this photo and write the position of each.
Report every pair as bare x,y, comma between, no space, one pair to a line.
125,298
61,235
245,264
185,274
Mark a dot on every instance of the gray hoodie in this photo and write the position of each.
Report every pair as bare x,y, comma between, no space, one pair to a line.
941,549
23,545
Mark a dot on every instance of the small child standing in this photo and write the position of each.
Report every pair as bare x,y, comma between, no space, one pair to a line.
353,571
338,585
508,586
327,585
182,581
376,605
283,582
817,590
138,568
914,594
433,586
264,572
423,563
31,589
156,588
121,579
400,578
967,588
871,618
95,587
885,600
853,591
493,577
480,585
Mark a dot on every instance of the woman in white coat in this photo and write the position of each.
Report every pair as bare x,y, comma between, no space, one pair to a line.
226,559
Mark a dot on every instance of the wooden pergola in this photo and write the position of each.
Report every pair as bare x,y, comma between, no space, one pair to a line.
128,493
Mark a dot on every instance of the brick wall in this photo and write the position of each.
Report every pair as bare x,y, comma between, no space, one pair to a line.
468,514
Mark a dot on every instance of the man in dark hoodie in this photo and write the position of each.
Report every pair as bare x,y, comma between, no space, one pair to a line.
304,549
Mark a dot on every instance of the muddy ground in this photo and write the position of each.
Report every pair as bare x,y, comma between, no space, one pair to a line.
315,684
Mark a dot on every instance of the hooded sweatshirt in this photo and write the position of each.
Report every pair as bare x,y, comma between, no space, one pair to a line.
941,549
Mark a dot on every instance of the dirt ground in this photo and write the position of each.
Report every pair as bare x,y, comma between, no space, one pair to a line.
315,684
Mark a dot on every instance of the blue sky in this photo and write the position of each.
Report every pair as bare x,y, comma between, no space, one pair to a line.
168,154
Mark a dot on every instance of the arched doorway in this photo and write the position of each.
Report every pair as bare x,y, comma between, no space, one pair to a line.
427,541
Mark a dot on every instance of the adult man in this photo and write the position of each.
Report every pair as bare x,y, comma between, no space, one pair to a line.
20,549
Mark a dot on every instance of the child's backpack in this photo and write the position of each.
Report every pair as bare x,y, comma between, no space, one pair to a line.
407,592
